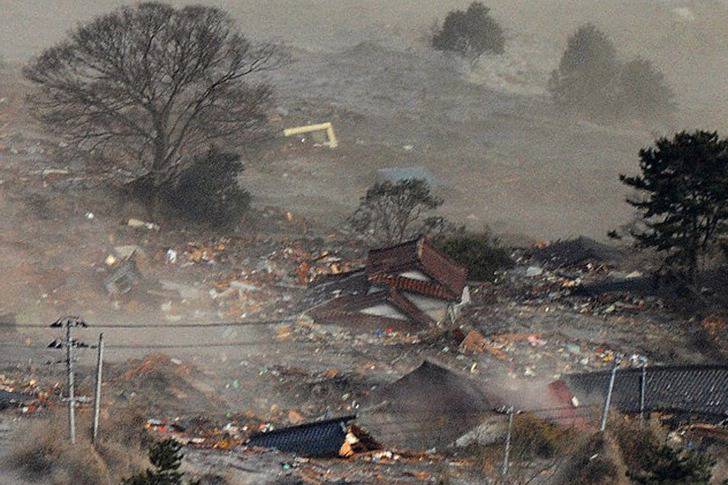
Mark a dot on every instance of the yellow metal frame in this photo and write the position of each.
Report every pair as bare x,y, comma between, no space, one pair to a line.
327,127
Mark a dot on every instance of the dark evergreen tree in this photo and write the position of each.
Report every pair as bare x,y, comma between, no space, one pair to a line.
584,81
643,92
166,458
208,191
591,81
684,203
470,33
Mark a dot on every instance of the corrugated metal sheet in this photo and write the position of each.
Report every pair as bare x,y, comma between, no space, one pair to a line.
693,389
8,399
321,439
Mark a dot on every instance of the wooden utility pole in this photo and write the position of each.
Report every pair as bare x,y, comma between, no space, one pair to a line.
97,395
643,390
610,388
69,343
71,391
507,451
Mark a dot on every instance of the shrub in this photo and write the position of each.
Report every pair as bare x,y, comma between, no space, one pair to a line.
470,33
391,213
651,462
208,191
480,253
667,466
41,452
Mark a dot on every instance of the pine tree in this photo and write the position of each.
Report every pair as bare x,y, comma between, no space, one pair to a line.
643,93
166,458
684,183
584,81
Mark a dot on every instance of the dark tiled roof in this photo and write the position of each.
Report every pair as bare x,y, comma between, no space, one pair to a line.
443,269
359,321
322,438
437,388
327,287
431,406
694,389
13,398
392,259
575,251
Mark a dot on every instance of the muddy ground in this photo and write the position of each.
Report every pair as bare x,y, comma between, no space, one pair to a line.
503,158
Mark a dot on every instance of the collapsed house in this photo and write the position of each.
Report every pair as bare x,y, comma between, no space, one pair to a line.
407,286
431,406
681,390
327,438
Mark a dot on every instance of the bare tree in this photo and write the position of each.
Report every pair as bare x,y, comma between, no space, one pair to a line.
392,213
147,88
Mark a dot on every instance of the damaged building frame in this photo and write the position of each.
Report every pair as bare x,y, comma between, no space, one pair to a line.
408,286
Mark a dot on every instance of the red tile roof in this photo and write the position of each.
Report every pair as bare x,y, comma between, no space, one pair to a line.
383,269
418,255
425,288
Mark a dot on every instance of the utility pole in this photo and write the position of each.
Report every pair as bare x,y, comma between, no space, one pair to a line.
71,390
507,451
69,343
608,400
97,395
643,388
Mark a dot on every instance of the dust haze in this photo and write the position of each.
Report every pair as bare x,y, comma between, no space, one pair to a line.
504,157
501,157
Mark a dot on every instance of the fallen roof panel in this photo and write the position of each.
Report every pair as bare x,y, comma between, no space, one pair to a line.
321,438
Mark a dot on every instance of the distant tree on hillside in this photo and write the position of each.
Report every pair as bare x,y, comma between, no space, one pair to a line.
391,213
470,33
584,81
684,203
591,81
643,92
146,88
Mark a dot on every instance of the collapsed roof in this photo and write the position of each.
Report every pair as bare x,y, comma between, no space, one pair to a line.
394,276
327,438
576,251
431,406
692,389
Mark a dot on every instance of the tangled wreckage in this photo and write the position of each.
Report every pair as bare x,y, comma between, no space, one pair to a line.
411,285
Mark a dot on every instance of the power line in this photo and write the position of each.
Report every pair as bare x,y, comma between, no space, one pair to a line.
169,346
203,345
241,323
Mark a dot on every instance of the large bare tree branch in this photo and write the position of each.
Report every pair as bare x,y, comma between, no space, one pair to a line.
155,83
